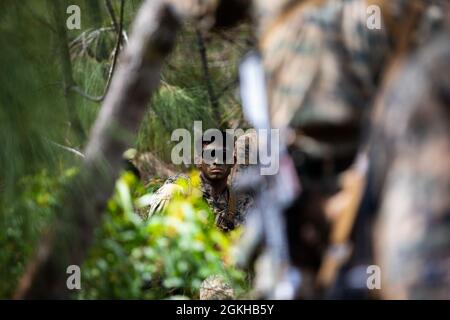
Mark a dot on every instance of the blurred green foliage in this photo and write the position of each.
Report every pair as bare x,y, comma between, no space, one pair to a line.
34,124
168,255
29,215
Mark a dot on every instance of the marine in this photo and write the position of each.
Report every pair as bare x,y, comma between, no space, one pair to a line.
410,170
230,208
324,68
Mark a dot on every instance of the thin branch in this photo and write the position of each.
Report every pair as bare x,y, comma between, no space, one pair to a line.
82,42
78,90
89,35
206,76
72,150
113,65
125,36
113,15
116,51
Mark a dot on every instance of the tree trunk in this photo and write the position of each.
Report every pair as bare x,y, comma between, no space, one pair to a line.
136,79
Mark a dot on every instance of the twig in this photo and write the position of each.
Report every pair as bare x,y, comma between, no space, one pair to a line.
113,65
85,39
72,150
125,36
206,76
89,34
78,90
113,15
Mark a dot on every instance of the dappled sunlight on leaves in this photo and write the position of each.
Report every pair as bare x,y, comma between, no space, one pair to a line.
168,255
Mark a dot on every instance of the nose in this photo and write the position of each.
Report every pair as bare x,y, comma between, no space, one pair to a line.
217,159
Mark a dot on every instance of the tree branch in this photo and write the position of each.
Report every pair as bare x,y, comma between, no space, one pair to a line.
112,14
206,76
71,150
113,65
79,91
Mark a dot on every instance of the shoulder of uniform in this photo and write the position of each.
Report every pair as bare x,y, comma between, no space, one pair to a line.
243,202
169,189
162,197
175,178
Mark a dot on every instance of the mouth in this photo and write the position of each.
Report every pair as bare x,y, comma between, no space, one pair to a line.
216,170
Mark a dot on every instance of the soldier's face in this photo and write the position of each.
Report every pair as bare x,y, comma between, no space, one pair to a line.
214,159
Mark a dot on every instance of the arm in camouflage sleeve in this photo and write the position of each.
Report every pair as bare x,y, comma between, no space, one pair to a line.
410,157
162,197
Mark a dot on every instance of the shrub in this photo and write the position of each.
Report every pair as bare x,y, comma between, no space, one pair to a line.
166,256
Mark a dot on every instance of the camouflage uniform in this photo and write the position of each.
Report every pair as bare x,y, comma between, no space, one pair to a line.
322,63
324,67
216,288
219,205
410,155
246,149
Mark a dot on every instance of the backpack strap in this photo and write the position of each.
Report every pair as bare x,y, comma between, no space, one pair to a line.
226,221
231,210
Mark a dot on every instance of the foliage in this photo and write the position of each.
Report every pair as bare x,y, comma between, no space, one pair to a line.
183,98
34,124
168,255
31,213
173,108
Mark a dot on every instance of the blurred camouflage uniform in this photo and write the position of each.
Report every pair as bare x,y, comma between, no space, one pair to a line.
324,67
216,288
322,64
246,152
226,204
410,154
